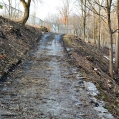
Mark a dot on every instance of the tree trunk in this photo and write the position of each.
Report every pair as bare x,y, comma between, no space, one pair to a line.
9,8
102,40
26,15
94,29
111,56
84,27
108,9
26,6
117,42
84,21
99,25
83,7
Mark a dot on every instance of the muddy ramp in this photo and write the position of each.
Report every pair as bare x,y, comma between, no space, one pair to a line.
48,87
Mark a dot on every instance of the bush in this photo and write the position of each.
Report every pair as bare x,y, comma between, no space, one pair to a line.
43,28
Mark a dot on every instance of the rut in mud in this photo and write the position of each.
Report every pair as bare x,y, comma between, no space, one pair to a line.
48,87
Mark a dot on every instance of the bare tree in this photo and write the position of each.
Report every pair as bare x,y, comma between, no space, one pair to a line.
9,3
107,17
99,25
26,6
65,11
83,6
75,21
117,41
53,19
108,12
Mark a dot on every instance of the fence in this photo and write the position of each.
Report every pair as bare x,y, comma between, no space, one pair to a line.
15,14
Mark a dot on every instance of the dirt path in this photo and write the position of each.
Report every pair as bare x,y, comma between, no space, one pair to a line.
48,87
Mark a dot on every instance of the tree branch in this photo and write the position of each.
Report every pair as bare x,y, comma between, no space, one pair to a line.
100,5
115,31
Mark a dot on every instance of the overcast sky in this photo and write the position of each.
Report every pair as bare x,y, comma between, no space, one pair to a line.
43,10
47,7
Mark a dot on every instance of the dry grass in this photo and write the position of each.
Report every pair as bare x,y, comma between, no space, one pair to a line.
15,41
92,64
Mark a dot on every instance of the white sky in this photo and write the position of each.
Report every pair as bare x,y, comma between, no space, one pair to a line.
43,10
47,7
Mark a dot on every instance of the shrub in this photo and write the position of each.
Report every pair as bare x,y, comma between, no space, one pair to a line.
43,28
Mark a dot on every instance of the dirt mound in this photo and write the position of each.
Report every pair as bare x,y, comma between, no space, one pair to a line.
94,66
15,42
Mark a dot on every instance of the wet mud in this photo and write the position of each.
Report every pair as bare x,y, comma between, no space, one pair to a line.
48,87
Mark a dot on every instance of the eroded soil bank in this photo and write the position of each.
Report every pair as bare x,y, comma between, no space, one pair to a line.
48,86
94,67
16,41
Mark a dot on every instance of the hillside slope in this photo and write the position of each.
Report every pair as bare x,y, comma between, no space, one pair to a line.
15,42
94,67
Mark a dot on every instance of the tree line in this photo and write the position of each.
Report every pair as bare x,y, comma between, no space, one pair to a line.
97,22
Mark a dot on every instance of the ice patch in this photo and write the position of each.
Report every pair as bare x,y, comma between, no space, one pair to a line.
91,88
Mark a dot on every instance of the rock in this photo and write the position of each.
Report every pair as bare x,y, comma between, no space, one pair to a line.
2,35
90,58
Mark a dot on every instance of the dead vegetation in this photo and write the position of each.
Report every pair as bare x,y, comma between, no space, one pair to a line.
15,42
94,66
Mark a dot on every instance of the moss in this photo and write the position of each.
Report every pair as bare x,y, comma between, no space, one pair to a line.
67,40
104,97
109,107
